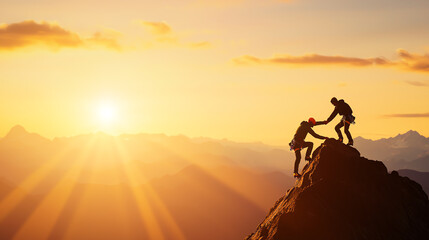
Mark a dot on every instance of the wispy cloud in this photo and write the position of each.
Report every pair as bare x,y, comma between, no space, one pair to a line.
101,39
413,62
407,61
408,115
312,59
418,83
161,35
30,33
157,28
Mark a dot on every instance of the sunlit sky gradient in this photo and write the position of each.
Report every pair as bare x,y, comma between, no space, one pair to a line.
242,70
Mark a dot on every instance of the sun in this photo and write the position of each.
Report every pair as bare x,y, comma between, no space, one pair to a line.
106,113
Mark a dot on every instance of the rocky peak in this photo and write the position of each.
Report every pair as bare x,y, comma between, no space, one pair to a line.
342,195
16,131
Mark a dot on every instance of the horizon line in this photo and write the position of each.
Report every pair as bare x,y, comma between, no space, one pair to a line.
183,135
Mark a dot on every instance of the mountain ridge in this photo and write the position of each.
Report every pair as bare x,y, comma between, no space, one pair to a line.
408,150
342,195
421,177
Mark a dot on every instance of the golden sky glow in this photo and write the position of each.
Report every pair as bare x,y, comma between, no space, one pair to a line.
245,70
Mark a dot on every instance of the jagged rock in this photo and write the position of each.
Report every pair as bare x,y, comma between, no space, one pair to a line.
344,196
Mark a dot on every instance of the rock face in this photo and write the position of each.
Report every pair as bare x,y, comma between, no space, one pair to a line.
344,196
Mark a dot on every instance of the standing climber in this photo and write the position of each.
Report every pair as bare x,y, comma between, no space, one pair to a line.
344,110
298,142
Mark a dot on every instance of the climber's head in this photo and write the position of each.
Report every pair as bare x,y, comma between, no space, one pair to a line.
334,101
312,121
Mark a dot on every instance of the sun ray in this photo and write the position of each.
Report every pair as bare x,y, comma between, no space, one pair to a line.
14,198
100,159
146,212
189,156
39,225
142,194
217,176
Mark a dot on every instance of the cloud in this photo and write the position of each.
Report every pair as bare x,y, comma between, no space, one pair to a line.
157,28
27,33
30,33
161,35
101,40
312,59
406,61
413,62
418,83
408,115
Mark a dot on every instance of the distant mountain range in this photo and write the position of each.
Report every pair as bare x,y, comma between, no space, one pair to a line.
99,156
204,203
156,155
405,151
209,189
135,186
421,177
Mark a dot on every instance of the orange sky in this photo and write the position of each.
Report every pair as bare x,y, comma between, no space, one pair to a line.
245,70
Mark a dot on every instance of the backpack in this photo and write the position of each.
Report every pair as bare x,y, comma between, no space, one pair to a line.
292,145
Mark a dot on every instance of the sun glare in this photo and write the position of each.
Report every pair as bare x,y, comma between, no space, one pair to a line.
106,113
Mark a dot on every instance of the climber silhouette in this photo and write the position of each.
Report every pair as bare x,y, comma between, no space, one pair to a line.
298,142
344,110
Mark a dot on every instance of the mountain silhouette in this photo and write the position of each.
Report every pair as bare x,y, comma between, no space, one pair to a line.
205,203
17,130
12,219
344,196
421,177
419,164
219,203
155,155
97,186
404,151
19,133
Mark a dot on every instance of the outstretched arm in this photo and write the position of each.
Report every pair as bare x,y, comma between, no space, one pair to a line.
319,123
333,114
316,135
